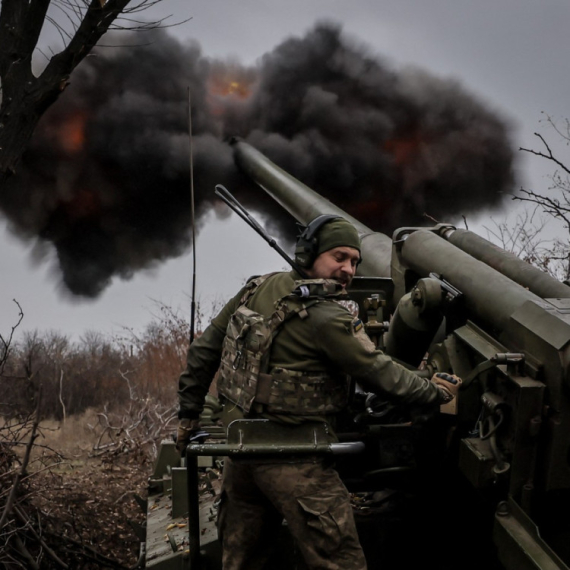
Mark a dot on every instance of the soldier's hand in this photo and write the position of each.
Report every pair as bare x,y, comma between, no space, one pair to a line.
186,429
448,383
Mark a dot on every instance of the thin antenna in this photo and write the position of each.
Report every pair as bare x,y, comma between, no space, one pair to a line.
193,220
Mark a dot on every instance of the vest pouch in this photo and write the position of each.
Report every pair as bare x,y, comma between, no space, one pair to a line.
244,352
302,393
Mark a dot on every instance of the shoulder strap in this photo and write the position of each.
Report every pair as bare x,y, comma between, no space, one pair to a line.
319,289
252,285
314,291
283,311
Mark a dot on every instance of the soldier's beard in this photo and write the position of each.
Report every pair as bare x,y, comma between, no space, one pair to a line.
346,280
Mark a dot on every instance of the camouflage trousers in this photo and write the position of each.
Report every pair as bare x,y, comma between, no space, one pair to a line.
309,496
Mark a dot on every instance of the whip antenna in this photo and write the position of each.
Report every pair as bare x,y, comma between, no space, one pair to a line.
193,220
224,194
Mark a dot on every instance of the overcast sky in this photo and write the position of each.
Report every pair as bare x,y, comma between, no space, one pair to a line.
513,54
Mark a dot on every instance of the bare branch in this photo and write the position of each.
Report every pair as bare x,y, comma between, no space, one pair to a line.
5,343
551,206
24,519
525,239
20,474
21,548
548,156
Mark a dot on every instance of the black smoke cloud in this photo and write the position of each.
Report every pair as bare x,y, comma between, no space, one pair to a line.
106,177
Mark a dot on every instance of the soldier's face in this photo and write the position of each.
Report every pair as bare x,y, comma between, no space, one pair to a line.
337,263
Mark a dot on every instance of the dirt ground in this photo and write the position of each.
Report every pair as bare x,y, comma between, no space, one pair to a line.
80,506
91,503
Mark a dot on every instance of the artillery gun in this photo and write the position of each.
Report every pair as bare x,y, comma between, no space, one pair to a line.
491,474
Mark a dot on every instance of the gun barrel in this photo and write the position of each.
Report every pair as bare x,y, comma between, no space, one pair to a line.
489,294
305,204
519,271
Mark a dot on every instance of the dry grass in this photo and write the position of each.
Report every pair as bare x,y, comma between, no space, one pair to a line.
74,437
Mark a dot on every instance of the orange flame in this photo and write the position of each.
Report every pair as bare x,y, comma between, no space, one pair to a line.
227,87
227,84
72,133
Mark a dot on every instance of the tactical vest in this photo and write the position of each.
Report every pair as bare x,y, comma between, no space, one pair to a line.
243,374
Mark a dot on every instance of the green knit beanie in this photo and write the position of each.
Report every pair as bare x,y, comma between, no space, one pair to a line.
337,233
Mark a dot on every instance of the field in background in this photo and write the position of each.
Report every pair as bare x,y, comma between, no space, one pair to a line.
79,429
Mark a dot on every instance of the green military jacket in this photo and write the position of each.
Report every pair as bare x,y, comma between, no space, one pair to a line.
327,341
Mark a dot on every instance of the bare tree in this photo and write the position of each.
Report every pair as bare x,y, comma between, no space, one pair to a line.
25,97
555,203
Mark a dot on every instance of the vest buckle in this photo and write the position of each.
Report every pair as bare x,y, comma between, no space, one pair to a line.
237,360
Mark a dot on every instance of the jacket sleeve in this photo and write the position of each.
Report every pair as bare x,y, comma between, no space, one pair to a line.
202,362
351,351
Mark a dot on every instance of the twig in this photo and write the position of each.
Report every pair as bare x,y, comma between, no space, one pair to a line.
12,496
548,156
7,342
550,206
49,551
45,468
89,552
21,548
61,396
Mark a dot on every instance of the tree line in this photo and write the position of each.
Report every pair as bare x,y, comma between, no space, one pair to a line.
95,371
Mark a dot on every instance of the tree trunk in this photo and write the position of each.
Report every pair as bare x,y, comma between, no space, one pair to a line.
19,115
25,97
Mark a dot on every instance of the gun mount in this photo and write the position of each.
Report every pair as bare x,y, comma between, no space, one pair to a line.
458,304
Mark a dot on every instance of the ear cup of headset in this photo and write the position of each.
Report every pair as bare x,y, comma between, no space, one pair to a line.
307,242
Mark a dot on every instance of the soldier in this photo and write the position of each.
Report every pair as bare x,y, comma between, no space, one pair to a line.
284,347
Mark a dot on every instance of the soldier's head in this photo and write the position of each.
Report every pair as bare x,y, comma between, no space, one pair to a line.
329,248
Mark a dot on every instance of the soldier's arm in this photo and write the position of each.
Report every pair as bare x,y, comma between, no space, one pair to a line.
202,362
340,338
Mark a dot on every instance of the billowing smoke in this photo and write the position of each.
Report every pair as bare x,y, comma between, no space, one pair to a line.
106,178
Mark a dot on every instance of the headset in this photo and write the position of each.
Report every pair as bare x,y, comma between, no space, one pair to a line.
307,242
